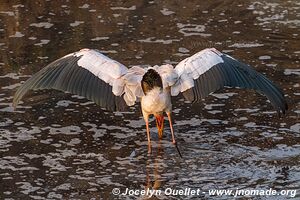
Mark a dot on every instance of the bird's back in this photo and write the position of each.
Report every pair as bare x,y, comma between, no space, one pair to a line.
151,79
156,99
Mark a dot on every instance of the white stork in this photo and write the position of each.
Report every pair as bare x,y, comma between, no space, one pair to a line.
111,85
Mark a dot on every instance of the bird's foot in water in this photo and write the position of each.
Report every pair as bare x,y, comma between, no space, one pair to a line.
149,149
175,144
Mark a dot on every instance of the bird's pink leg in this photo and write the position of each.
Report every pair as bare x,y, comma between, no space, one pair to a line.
171,127
173,136
148,136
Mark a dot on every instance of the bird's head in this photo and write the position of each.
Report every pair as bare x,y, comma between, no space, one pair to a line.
160,124
151,79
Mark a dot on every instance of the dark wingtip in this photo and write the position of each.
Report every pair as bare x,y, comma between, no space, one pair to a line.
286,106
14,107
15,103
282,112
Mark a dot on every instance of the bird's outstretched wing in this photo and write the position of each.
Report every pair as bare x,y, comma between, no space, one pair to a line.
210,70
90,74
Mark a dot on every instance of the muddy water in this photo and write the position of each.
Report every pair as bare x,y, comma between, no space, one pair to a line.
61,146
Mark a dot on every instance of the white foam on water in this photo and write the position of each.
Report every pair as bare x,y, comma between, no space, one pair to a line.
223,95
43,57
246,45
97,156
117,15
123,8
295,22
118,146
111,127
264,57
64,103
14,76
64,186
11,87
254,125
271,64
248,110
291,71
123,135
214,121
98,132
65,153
183,50
17,35
8,13
74,142
192,29
78,97
295,127
99,38
223,20
27,188
15,163
42,42
47,141
210,106
11,109
66,130
6,122
42,25
166,11
176,110
268,134
108,51
53,195
198,122
153,40
281,152
21,135
84,6
76,23
135,123
242,119
54,163
81,161
214,111
273,14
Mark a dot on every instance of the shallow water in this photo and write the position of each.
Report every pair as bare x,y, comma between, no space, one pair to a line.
61,146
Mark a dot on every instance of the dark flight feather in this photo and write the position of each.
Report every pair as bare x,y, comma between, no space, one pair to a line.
233,73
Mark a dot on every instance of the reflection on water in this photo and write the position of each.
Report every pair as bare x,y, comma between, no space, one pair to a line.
60,145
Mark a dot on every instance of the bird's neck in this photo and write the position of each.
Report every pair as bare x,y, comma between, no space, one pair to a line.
155,92
156,101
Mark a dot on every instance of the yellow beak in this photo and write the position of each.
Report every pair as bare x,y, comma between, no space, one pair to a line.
160,125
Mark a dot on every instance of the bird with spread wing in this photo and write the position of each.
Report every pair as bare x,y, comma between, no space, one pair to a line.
113,86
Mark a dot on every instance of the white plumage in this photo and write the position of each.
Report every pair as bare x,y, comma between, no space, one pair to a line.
100,65
128,81
192,67
156,102
112,85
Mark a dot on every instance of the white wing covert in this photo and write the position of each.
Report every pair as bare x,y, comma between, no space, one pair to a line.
210,70
87,73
